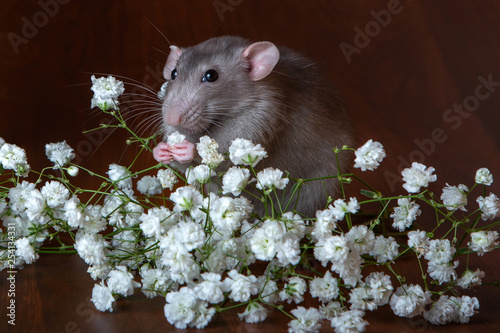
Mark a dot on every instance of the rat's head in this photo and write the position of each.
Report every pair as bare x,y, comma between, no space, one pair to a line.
213,80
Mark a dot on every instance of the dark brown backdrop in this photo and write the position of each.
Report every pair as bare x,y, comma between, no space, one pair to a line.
409,65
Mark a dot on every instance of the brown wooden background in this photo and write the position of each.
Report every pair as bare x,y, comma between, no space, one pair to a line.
428,58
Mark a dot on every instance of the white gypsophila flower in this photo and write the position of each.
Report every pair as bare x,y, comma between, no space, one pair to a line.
102,298
455,197
225,217
73,171
349,270
175,137
200,174
484,177
235,180
471,279
208,151
294,224
271,178
167,178
269,289
349,321
466,307
307,320
339,208
243,206
330,310
324,225
384,249
25,250
483,241
184,309
121,281
180,263
417,176
294,290
418,241
210,288
288,250
149,185
254,313
489,206
18,225
379,287
369,156
442,272
409,301
17,196
243,151
360,239
94,221
124,212
90,247
404,215
2,142
3,205
13,157
125,240
121,175
74,212
186,198
332,248
240,286
440,251
35,206
266,239
154,280
157,221
59,153
325,288
443,311
106,92
361,299
190,234
55,194
99,272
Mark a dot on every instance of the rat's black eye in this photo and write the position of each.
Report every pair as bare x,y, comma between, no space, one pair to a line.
210,76
173,75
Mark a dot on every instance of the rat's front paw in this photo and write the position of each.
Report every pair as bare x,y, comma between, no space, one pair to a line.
162,153
183,152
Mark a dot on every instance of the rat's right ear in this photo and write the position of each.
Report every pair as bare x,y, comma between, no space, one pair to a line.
175,53
261,57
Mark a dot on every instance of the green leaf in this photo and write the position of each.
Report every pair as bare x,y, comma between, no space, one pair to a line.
370,194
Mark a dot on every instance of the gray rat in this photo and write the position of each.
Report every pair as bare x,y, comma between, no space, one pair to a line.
228,88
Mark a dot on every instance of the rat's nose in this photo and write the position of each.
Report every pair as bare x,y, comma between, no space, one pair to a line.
173,115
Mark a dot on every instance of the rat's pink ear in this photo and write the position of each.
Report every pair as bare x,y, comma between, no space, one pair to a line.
174,55
261,57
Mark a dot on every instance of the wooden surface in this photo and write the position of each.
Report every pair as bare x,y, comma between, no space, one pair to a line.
399,85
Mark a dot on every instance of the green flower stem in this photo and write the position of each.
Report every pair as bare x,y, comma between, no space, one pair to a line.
220,309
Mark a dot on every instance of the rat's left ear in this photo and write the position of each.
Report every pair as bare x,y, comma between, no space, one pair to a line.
261,57
175,53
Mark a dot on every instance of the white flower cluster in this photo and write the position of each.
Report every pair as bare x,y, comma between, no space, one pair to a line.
369,156
106,92
208,151
59,153
197,248
14,158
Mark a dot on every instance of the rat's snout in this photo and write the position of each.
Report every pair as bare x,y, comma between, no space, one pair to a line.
173,115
